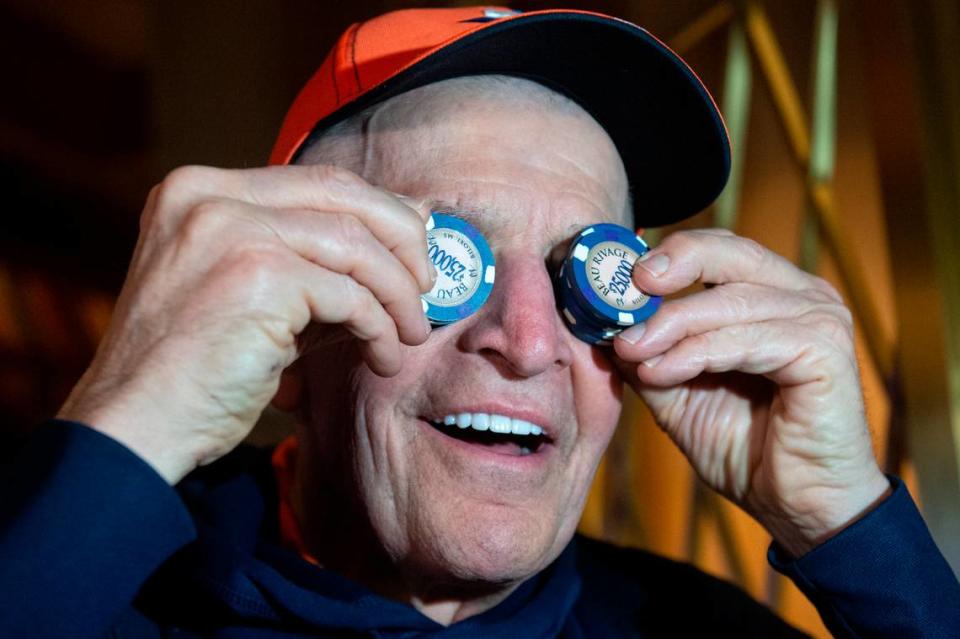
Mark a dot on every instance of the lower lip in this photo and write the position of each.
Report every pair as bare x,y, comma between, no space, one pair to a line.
488,455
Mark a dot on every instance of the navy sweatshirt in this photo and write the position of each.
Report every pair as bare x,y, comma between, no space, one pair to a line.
94,544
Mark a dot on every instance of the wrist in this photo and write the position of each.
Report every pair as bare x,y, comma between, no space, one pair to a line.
169,462
135,430
800,534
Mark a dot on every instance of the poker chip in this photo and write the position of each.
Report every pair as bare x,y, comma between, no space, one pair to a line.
595,290
584,328
465,270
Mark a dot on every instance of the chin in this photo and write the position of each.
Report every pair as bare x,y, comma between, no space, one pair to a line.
495,546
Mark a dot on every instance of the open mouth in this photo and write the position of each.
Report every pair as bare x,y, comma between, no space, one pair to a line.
497,433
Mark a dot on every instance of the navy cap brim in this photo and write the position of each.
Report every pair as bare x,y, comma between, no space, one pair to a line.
664,123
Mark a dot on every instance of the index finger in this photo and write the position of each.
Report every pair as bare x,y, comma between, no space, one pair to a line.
397,222
717,256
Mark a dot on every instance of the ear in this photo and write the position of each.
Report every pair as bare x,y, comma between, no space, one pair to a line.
290,392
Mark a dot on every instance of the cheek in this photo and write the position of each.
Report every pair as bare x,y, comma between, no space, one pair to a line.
349,408
383,397
385,432
597,393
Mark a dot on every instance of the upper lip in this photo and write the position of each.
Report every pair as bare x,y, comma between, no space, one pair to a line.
515,411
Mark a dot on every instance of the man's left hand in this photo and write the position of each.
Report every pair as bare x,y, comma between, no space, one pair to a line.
756,380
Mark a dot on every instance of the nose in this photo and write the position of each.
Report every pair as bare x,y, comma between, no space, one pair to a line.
519,327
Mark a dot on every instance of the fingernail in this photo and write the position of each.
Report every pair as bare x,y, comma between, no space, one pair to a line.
433,273
427,324
653,361
633,334
654,263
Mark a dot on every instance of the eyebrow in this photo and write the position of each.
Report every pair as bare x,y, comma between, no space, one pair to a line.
465,214
481,218
478,217
462,211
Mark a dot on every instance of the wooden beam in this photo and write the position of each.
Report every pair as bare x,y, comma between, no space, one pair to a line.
737,92
910,83
793,117
707,23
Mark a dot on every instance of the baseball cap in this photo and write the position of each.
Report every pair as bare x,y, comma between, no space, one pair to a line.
662,119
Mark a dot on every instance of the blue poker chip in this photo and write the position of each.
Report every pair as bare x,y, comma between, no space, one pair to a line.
465,270
585,327
596,292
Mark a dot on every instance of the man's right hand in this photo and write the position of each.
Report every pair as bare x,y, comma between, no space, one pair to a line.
230,267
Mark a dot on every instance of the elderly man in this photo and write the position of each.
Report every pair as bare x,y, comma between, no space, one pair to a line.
301,284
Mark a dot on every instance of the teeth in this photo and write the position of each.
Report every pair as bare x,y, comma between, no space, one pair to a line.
492,422
521,427
481,421
499,424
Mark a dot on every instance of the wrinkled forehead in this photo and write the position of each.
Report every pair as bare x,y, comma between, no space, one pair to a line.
490,128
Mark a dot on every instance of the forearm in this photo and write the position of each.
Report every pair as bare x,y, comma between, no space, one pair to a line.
84,523
882,576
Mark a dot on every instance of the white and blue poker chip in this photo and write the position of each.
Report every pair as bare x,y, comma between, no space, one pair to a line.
596,293
585,328
465,270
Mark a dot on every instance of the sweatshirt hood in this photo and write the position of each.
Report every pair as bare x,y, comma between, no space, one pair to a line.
237,574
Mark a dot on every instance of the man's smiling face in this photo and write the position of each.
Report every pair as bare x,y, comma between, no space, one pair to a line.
529,169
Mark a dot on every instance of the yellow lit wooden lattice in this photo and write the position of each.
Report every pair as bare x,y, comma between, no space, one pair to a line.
678,516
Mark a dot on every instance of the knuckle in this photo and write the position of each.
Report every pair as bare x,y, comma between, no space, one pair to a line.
834,327
672,316
255,267
844,315
412,232
187,175
668,313
168,196
203,221
681,241
350,293
349,230
403,286
751,248
700,343
817,295
409,296
826,288
182,180
365,311
336,178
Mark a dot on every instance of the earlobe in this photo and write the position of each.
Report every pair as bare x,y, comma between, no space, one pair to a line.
290,392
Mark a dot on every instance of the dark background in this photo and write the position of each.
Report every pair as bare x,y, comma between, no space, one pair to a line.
101,98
